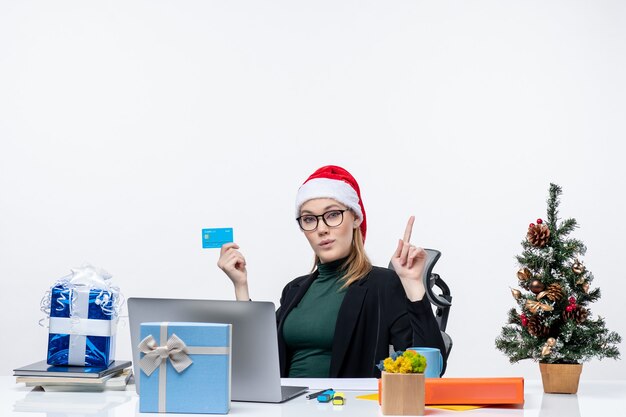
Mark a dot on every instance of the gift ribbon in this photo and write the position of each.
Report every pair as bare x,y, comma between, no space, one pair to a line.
174,349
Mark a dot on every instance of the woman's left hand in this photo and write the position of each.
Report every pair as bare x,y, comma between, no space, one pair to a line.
408,261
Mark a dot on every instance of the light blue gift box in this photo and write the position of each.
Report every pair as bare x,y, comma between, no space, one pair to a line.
201,352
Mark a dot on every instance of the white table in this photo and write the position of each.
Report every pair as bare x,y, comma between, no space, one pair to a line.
594,398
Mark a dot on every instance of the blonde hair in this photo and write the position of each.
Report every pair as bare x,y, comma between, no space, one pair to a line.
357,265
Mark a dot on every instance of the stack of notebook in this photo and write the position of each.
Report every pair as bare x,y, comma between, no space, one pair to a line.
74,378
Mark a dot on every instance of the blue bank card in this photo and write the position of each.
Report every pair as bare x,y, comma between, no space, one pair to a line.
216,237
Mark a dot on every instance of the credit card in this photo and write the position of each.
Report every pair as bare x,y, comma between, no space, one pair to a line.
216,237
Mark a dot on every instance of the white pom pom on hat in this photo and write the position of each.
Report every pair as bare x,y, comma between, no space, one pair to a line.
334,182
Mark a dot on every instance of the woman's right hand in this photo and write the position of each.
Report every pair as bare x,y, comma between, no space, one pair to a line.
233,264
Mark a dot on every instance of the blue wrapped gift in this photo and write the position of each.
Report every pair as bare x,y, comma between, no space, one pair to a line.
185,368
83,321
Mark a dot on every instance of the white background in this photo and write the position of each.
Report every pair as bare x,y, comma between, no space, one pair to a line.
128,126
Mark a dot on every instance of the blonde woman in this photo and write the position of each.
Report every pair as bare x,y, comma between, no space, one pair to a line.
340,319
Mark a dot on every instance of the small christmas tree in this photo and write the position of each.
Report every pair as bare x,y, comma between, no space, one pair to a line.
554,323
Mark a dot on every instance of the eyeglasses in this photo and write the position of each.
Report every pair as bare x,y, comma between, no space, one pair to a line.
309,222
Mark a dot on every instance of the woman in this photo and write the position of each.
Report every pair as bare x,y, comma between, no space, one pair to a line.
339,320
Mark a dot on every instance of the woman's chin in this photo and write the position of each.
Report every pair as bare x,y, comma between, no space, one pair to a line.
329,256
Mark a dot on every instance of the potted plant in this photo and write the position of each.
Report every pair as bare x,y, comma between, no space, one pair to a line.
552,323
402,391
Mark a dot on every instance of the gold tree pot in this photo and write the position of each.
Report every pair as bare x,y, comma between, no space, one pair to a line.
560,378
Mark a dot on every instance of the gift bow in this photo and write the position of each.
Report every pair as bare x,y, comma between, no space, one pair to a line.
174,349
90,276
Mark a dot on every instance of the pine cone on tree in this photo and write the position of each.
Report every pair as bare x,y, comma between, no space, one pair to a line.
554,292
577,314
538,235
536,327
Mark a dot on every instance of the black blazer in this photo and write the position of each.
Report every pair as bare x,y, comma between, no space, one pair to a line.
374,314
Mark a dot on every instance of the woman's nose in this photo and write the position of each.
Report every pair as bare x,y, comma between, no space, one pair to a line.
322,228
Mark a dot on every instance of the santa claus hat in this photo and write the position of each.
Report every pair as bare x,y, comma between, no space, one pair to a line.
333,182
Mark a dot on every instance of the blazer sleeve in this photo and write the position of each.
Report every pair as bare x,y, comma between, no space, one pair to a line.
414,323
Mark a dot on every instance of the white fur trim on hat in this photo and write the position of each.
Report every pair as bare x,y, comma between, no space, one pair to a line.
329,188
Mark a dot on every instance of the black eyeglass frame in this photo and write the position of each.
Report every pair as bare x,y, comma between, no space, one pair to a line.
317,219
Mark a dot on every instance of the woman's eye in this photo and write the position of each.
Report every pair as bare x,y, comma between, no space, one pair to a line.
308,219
333,215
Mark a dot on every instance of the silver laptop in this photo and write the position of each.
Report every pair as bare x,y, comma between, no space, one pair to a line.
255,367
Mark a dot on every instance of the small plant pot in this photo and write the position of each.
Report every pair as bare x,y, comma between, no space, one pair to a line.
560,378
402,394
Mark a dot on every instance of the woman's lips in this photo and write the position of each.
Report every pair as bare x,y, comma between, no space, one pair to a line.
326,243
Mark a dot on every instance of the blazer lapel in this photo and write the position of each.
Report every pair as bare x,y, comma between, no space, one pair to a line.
296,293
347,319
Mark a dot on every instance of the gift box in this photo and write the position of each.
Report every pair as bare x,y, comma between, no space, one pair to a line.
83,310
471,391
185,368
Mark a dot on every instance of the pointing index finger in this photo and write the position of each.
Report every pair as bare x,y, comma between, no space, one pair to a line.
409,229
